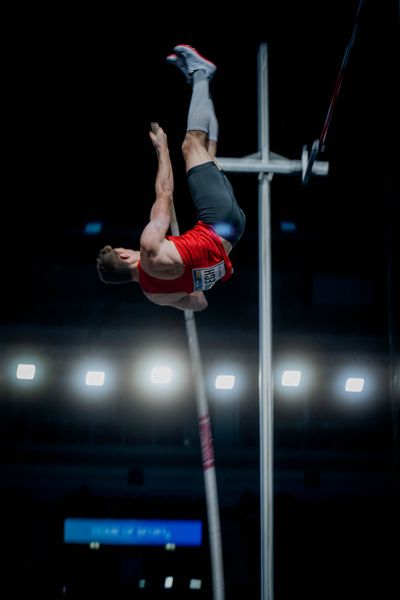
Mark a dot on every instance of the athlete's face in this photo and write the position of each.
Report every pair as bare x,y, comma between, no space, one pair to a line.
129,256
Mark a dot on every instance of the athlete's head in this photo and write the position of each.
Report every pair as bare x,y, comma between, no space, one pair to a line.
117,265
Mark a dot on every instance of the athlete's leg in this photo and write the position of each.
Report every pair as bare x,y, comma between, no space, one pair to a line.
180,63
197,148
210,189
212,148
202,127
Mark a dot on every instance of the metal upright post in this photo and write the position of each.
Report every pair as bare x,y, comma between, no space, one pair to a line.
266,163
265,337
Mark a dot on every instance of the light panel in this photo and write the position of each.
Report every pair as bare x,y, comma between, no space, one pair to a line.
25,371
291,378
161,375
95,378
355,384
224,382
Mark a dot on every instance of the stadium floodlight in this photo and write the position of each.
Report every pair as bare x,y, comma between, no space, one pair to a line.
295,375
354,384
161,375
95,378
291,378
224,382
26,371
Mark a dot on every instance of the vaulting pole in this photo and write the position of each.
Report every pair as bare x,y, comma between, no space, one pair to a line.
207,448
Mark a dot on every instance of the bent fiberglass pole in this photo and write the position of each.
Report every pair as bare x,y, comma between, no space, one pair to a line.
207,447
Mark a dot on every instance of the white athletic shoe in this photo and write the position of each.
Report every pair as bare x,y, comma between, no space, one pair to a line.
194,61
176,60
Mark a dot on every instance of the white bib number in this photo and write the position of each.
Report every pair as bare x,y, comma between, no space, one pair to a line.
204,279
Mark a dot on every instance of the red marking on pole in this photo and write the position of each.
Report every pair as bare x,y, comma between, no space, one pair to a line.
207,448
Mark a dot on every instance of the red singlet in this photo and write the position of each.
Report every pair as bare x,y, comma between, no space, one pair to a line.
204,258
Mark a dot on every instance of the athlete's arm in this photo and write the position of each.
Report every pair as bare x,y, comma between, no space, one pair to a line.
154,233
195,301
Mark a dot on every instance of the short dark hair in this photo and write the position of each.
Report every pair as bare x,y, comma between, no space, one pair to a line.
111,268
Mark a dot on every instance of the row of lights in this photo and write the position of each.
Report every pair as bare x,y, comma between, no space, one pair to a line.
194,584
163,375
159,376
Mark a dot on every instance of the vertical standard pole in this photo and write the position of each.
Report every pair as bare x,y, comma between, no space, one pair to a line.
266,165
207,448
265,338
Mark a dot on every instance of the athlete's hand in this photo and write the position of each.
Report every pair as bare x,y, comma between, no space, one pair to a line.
158,137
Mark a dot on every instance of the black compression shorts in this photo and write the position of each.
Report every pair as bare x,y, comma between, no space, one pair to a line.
215,201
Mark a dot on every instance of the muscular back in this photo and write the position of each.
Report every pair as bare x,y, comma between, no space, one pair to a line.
166,263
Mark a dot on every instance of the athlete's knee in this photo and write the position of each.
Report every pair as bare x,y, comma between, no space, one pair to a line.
194,140
212,148
186,145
